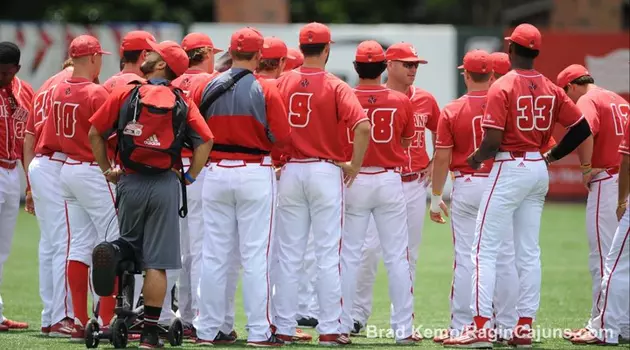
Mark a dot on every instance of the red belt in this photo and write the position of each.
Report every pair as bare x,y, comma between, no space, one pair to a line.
8,165
410,177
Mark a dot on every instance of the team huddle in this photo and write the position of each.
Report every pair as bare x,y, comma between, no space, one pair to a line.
276,168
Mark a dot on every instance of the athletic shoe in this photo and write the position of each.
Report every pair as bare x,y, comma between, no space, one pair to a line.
234,334
333,340
104,262
299,336
78,333
442,336
589,338
412,339
45,331
189,331
307,322
3,328
357,328
61,329
220,339
476,339
150,341
273,341
568,335
14,324
522,337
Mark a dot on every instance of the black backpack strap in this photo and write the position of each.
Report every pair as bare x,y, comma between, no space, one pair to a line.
183,211
220,90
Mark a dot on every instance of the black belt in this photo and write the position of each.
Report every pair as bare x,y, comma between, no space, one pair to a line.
238,149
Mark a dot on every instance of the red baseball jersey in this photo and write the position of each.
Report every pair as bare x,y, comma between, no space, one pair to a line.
120,79
391,116
526,105
624,146
316,102
73,102
49,142
606,113
106,117
426,114
15,105
188,82
460,129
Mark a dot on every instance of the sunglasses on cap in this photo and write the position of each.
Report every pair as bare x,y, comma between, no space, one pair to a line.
410,65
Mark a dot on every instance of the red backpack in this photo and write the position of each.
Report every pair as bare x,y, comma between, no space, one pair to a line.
151,128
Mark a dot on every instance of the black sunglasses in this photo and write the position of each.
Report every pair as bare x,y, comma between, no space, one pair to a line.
410,65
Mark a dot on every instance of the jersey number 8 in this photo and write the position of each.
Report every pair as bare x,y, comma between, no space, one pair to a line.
534,114
382,128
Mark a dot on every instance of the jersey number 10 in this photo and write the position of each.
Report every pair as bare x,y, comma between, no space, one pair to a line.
65,117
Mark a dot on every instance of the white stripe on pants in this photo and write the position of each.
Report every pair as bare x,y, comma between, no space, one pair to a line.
238,206
9,207
54,236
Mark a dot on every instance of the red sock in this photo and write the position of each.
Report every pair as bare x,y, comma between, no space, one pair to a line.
106,309
78,282
525,321
480,322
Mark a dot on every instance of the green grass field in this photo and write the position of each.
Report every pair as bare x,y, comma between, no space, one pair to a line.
565,287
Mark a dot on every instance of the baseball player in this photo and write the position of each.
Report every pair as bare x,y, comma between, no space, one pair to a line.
500,64
606,113
311,192
274,58
607,327
148,212
239,194
296,60
521,109
377,191
459,134
402,66
200,50
43,159
89,199
133,51
15,103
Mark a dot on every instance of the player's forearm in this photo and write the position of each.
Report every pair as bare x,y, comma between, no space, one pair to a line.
200,158
489,145
361,142
29,151
585,151
99,149
624,179
440,170
574,137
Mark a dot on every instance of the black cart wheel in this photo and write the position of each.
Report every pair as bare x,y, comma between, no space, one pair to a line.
119,334
175,334
92,334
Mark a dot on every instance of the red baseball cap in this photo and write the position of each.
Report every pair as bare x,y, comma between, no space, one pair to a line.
274,47
296,60
369,51
173,54
315,33
500,62
477,61
86,45
136,40
403,52
571,73
246,40
196,40
527,36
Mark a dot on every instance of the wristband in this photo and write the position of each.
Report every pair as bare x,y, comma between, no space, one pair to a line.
188,177
587,171
585,166
108,171
435,202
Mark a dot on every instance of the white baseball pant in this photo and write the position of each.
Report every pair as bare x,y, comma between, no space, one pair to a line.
514,197
615,301
9,208
90,201
465,200
311,194
416,200
191,236
167,313
307,299
238,201
51,214
601,223
378,192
